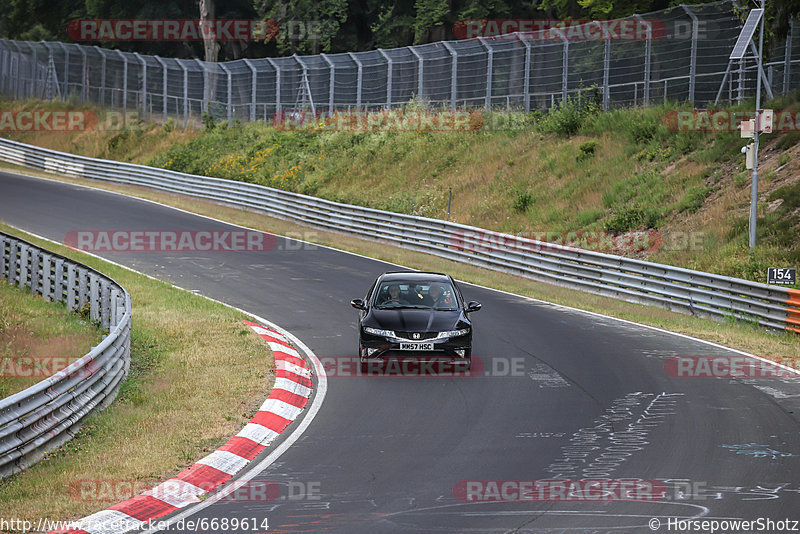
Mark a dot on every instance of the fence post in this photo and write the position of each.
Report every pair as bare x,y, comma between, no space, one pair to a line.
564,68
453,76
606,68
102,76
65,93
18,77
253,88
420,71
489,69
163,86
389,65
144,84
84,75
277,85
787,58
693,58
185,93
527,82
230,90
359,79
331,81
647,55
124,87
206,86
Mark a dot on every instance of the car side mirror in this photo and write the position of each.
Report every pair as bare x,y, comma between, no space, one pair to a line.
358,304
473,306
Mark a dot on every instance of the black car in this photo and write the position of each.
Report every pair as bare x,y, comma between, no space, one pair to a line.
415,315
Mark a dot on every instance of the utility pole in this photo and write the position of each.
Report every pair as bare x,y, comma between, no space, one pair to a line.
758,126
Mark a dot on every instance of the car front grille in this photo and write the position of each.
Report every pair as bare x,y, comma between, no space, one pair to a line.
422,335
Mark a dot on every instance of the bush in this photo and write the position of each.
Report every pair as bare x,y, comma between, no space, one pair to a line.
522,201
567,118
587,150
632,219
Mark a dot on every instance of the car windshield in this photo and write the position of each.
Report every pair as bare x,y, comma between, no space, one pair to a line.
411,294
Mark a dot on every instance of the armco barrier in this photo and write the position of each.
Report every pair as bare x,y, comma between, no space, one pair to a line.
632,280
45,415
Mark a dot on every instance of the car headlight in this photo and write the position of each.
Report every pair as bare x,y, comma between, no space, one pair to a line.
453,333
379,332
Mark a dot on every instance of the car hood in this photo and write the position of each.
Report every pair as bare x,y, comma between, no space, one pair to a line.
409,320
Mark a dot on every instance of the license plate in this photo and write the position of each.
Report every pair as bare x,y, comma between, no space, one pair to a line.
416,346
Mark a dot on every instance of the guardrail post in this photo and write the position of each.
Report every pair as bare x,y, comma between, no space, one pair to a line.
163,87
3,256
253,88
420,70
34,270
58,281
389,68
83,289
47,273
453,74
94,297
72,287
105,304
693,57
24,259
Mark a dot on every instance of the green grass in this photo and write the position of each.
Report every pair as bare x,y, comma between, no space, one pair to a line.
38,338
189,356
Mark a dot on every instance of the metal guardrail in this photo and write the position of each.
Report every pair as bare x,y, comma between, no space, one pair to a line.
628,279
49,413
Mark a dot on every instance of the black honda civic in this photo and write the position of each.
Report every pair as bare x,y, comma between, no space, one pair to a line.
415,315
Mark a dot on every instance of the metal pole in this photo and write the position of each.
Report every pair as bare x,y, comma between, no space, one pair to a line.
647,56
102,76
787,58
389,66
420,71
564,69
453,74
206,86
449,201
489,69
693,59
277,85
84,76
66,71
526,88
230,90
359,80
331,81
185,93
144,84
164,86
124,88
754,187
606,68
253,88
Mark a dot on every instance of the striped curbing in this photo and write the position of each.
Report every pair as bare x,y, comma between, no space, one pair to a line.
290,394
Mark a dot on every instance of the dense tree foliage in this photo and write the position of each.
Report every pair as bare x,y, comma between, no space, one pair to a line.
313,26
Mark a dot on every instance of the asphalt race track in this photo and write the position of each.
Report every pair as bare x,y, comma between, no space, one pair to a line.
562,394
